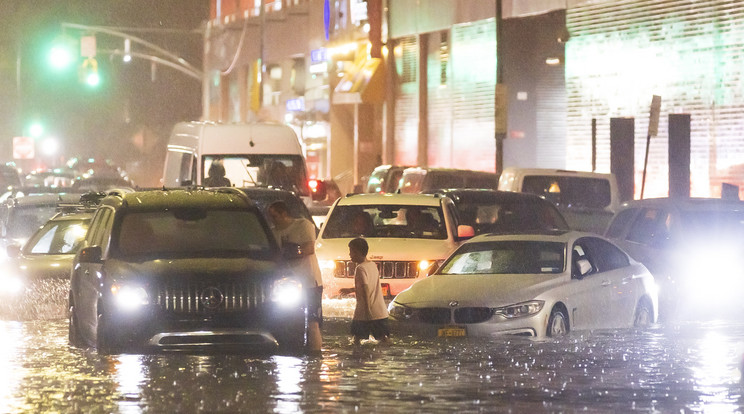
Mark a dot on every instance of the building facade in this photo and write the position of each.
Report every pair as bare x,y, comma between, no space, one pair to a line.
414,82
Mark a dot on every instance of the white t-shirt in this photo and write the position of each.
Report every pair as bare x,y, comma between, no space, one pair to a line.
370,306
301,231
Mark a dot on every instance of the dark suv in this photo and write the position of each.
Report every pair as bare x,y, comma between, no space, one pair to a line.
183,269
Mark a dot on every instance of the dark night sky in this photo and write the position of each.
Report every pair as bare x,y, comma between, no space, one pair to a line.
94,122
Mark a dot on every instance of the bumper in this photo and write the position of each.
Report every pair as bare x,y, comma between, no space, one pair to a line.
529,326
258,330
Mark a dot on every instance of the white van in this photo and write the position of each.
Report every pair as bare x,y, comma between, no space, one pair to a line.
587,200
254,154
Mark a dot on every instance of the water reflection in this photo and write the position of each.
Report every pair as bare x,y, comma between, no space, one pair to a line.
129,374
11,368
288,373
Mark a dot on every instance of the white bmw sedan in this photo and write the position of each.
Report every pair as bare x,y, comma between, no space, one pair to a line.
533,285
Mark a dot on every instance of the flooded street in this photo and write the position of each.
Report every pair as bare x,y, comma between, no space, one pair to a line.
687,367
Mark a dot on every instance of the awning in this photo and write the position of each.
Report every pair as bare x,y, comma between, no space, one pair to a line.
364,83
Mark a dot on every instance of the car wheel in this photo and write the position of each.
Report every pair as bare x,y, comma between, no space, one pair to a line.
643,315
557,323
105,343
74,329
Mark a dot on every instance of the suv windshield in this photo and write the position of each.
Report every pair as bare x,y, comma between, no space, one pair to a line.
420,222
250,170
191,232
58,237
506,257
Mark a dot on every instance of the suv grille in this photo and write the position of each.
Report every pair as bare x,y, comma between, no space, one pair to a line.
187,296
387,269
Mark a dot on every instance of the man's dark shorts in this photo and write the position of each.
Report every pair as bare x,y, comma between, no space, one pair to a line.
315,304
377,328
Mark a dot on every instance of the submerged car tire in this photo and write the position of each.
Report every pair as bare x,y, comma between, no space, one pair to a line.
557,323
105,342
74,329
644,314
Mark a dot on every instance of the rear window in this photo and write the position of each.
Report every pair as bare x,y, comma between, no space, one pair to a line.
491,216
412,182
570,191
188,232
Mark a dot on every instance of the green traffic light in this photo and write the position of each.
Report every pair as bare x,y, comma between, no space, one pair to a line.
36,129
60,57
93,79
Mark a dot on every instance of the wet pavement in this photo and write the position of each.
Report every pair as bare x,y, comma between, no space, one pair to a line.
681,367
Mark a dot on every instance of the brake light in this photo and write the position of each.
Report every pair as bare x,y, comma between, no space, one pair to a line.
313,184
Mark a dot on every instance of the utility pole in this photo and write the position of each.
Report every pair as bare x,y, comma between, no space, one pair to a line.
501,100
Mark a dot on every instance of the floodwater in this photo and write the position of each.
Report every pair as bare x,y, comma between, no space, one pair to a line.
685,367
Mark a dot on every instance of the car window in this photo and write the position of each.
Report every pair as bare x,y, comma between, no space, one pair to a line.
438,179
651,225
376,182
58,237
396,221
411,182
620,223
606,255
570,191
506,257
189,232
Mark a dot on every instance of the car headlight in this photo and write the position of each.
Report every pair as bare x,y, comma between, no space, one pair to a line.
710,272
12,285
399,311
129,297
287,292
327,264
519,309
428,267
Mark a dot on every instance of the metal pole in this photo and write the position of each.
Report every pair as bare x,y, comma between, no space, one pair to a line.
261,66
645,164
594,144
499,136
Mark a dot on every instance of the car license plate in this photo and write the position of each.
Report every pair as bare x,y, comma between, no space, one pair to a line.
451,331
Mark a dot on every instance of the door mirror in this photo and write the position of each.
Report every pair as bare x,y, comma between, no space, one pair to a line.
14,251
90,255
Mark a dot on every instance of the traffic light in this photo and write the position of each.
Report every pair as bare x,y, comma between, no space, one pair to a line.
89,72
62,54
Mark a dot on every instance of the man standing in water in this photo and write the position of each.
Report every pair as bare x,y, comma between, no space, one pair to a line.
370,314
301,232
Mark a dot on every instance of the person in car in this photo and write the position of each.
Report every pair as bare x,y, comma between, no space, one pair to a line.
370,313
216,176
300,232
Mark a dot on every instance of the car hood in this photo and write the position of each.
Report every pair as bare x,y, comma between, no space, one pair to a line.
48,266
478,290
202,268
385,248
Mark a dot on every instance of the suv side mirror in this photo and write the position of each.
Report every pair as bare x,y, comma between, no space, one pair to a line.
14,251
90,255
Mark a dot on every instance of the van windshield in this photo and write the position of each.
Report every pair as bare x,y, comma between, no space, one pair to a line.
257,170
386,220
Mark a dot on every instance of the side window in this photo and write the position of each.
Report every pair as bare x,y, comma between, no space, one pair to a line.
606,256
649,225
180,168
620,223
98,227
105,234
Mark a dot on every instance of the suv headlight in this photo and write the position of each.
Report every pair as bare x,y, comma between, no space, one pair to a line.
428,267
520,309
129,297
12,285
287,292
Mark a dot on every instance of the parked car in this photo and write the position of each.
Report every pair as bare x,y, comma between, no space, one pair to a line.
587,200
20,217
694,248
536,285
418,180
492,211
384,179
183,269
408,236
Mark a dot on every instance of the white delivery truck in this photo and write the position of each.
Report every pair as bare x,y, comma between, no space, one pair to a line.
252,154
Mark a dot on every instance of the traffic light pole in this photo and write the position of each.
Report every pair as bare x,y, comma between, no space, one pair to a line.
170,60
